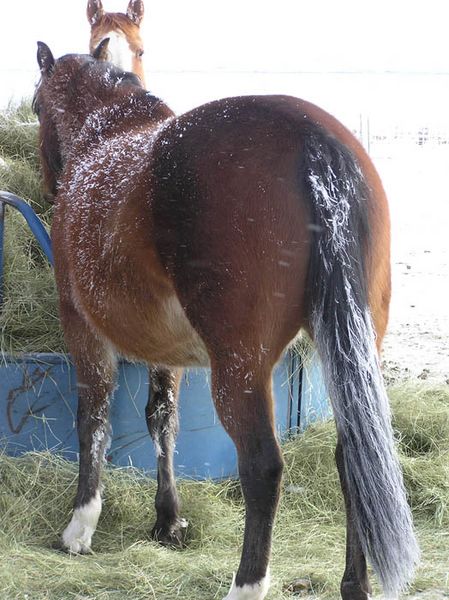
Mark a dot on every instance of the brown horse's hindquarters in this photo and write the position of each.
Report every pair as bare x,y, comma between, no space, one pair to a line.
235,241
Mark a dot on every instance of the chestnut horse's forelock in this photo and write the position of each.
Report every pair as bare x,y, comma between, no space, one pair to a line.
116,22
49,148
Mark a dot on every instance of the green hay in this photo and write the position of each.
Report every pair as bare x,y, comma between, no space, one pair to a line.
421,417
427,480
18,134
36,492
311,479
29,316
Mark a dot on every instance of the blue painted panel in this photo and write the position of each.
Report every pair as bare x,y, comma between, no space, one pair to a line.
38,412
315,405
203,448
38,405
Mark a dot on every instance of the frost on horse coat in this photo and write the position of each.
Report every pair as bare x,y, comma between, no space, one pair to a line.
211,239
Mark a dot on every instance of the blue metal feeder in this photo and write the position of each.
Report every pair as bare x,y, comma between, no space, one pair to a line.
38,402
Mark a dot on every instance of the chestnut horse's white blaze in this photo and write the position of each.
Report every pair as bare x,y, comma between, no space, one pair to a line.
125,48
119,52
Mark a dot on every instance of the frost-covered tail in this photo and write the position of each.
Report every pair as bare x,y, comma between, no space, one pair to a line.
344,336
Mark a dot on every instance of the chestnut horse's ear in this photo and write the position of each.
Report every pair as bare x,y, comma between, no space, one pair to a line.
94,11
135,11
45,58
101,51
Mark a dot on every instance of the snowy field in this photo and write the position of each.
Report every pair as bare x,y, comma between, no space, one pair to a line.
417,343
391,114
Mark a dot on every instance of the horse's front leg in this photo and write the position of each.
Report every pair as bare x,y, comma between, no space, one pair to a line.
355,584
244,402
95,364
162,421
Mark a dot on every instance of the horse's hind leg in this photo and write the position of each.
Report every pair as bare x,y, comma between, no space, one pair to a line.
95,364
162,421
355,584
242,394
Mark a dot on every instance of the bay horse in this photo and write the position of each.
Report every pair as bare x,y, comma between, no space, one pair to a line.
212,239
125,47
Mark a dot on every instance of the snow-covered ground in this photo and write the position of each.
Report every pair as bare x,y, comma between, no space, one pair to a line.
417,343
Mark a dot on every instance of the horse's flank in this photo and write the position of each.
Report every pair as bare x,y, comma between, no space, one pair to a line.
116,143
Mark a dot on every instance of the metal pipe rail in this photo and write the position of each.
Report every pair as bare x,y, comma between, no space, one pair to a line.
34,223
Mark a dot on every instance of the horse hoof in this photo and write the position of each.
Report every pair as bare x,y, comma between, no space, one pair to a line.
351,590
173,535
59,546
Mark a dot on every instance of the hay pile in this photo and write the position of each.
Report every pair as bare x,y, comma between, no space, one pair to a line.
36,492
28,319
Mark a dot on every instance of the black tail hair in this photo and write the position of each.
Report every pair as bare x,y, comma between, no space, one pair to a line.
345,339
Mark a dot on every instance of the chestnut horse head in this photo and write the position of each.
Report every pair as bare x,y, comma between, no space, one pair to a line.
212,238
126,45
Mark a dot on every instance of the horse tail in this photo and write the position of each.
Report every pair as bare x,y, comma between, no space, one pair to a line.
344,335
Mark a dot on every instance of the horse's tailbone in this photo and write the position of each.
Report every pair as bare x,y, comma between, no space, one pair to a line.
345,339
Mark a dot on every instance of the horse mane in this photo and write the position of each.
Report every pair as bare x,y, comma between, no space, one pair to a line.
109,19
115,74
49,143
129,92
49,148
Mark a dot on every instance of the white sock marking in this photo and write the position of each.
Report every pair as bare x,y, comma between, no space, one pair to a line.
77,536
255,591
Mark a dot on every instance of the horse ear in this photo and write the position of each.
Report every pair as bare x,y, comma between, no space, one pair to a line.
94,11
45,58
101,51
135,11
